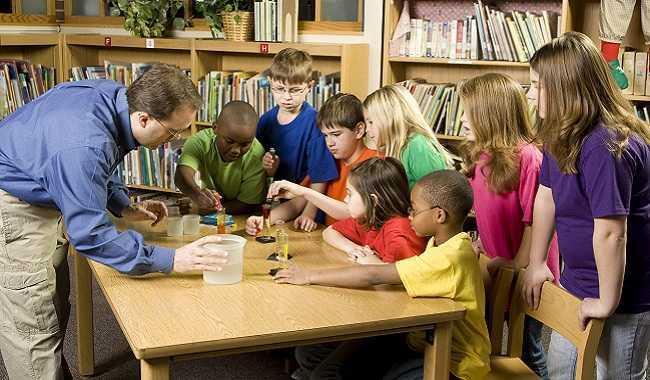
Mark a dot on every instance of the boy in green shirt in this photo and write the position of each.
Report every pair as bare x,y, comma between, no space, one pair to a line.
229,159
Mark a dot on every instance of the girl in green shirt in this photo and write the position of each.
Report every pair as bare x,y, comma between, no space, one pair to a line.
395,126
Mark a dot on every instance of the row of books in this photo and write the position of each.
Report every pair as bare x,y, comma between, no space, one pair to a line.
218,88
489,34
276,21
121,72
440,105
22,82
151,167
643,112
636,66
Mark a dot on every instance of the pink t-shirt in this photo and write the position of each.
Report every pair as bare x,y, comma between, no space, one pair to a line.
501,218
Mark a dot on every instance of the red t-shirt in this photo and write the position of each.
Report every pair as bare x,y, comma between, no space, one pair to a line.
394,241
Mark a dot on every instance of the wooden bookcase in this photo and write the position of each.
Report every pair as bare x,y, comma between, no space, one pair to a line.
579,15
44,49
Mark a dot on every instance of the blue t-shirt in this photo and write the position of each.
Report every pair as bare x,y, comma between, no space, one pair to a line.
300,146
604,186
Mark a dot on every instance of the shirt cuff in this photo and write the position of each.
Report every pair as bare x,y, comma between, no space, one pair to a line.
162,259
117,202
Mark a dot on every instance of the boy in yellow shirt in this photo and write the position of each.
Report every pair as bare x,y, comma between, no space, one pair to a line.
447,268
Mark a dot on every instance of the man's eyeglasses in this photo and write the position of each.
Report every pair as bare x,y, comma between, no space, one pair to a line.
173,134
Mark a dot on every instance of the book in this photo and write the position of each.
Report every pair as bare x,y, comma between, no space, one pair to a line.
640,73
628,68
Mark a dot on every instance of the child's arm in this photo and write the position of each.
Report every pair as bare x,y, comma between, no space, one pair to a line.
347,277
338,241
332,207
206,200
306,219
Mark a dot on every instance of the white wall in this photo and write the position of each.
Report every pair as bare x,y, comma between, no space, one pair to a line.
372,33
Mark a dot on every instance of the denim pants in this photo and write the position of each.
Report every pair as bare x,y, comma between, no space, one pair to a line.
622,352
533,351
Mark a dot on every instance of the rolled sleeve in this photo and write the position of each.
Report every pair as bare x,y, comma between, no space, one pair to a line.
78,180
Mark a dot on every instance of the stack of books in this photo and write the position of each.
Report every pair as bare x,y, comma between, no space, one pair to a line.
643,112
151,167
488,34
440,105
276,21
637,69
22,82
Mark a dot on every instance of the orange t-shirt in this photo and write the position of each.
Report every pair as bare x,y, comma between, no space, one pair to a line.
336,189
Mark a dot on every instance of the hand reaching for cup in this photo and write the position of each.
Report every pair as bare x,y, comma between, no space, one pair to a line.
196,257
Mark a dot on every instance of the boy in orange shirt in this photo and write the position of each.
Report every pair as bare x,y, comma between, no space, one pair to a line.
340,119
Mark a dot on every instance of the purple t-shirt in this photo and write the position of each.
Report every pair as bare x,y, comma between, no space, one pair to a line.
604,186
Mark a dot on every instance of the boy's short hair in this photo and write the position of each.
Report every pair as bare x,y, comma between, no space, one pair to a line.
341,110
449,190
237,113
291,66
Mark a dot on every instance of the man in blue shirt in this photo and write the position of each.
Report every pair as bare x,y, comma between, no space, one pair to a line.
58,156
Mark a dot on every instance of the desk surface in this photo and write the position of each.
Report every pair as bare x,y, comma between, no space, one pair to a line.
180,314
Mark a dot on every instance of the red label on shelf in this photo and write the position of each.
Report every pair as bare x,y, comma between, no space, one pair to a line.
264,48
107,41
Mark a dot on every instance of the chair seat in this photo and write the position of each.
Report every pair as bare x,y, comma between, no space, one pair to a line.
503,367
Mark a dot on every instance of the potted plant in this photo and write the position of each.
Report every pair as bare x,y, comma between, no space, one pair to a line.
233,18
148,18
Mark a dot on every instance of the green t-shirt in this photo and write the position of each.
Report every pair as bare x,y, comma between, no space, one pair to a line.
420,157
243,179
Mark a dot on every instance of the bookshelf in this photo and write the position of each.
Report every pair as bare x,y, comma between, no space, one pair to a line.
154,188
44,49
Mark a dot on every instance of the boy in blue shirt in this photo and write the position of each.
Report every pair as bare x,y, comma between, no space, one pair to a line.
290,128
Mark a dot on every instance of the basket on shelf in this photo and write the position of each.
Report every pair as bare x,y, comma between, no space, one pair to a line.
238,26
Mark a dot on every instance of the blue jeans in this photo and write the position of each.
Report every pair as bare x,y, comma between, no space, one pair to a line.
533,351
622,352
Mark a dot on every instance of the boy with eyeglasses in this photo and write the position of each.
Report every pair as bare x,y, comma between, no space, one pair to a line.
290,128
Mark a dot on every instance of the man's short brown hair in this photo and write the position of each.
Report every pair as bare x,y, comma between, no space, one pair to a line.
291,66
161,90
341,110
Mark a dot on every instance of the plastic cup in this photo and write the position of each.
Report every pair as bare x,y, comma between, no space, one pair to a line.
233,271
174,226
191,224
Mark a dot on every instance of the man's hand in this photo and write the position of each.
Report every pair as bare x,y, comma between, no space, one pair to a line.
207,201
148,210
196,257
304,223
270,163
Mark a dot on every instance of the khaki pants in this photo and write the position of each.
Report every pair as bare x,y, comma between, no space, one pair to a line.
34,290
618,13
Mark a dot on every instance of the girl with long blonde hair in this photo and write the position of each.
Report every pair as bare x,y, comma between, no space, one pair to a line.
395,126
595,192
502,164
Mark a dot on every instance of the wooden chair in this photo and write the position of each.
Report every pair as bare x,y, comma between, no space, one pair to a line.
498,298
558,310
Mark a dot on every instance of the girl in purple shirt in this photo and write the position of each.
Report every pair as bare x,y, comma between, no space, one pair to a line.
595,192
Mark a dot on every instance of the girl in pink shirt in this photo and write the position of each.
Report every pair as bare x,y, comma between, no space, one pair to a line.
503,166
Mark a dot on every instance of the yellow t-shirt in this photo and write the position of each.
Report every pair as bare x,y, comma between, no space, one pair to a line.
451,271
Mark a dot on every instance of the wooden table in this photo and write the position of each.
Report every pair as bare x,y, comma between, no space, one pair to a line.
179,317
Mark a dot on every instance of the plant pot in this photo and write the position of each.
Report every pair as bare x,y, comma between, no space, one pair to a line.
238,26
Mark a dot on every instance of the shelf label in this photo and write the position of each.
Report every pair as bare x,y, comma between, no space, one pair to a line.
107,42
149,43
264,48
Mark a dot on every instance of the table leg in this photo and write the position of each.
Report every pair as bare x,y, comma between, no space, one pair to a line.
437,354
84,308
154,369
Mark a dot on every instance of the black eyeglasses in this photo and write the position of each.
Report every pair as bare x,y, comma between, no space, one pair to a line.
173,134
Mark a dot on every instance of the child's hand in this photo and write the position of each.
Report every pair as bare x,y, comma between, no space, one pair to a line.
304,223
355,253
369,260
254,225
270,163
286,190
207,201
292,275
478,246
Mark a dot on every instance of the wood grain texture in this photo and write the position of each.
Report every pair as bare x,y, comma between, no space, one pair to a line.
179,314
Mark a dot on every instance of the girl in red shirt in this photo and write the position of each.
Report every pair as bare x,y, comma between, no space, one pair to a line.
379,230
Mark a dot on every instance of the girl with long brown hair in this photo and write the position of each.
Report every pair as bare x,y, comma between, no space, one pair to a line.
595,192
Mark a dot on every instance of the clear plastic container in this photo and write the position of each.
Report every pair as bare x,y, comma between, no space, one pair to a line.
233,271
174,226
191,224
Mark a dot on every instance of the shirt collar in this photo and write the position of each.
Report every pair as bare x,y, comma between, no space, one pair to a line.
124,122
